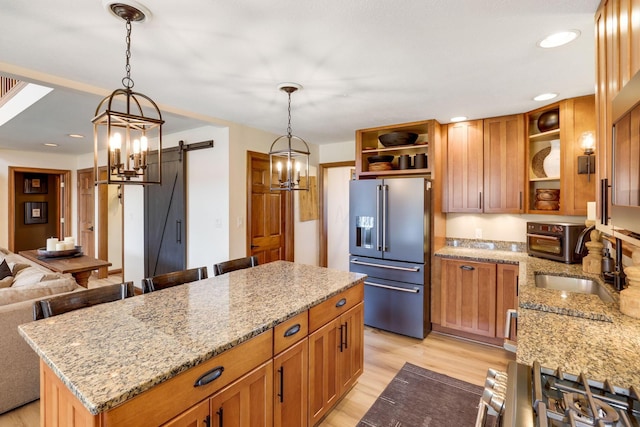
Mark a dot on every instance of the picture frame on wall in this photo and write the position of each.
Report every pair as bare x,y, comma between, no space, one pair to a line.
35,184
35,213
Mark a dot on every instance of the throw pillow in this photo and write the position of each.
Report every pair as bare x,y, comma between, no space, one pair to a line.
17,266
6,282
5,271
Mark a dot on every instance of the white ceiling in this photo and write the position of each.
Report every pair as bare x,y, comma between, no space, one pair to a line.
362,63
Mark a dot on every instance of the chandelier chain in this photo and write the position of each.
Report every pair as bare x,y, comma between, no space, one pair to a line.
289,110
127,81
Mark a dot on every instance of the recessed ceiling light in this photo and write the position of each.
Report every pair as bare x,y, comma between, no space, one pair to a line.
558,39
545,96
75,135
458,119
50,144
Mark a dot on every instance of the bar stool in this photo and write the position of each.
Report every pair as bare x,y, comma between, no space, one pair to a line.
234,264
60,304
167,280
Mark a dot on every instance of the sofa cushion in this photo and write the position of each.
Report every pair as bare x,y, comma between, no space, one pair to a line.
5,271
40,289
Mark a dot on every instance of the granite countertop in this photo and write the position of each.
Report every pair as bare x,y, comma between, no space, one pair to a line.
107,354
575,332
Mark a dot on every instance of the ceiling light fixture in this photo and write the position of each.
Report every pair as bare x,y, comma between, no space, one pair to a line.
545,96
559,39
291,150
50,144
75,135
458,119
120,122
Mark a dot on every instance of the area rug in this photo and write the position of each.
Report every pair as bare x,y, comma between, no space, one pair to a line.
417,397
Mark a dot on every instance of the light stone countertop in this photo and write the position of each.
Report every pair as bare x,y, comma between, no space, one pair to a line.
109,353
575,332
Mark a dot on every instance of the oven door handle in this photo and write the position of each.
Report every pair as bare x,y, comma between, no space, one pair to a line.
391,267
543,236
393,288
509,345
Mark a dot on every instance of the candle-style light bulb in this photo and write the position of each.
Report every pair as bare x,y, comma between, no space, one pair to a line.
144,147
298,171
136,153
279,167
115,145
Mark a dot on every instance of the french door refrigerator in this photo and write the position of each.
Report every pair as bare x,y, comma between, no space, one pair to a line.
389,240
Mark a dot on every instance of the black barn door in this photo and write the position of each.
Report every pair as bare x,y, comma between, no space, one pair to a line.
165,214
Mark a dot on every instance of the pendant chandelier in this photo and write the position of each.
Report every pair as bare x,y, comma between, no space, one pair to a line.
128,124
289,155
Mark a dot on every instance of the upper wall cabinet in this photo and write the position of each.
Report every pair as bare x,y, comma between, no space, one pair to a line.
485,165
553,148
397,157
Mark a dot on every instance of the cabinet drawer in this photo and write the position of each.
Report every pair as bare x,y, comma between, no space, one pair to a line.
328,310
290,332
180,392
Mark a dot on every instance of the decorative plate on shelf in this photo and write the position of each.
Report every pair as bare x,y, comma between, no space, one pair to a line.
537,163
77,251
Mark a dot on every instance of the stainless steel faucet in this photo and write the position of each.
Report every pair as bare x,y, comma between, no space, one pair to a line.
582,240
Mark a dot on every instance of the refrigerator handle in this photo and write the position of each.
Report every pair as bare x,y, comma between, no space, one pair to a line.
385,191
378,188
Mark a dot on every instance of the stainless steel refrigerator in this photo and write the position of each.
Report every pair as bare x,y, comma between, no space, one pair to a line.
389,240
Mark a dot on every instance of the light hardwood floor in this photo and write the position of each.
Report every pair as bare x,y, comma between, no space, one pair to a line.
384,355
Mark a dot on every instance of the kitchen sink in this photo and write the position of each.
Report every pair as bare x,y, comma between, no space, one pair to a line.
572,284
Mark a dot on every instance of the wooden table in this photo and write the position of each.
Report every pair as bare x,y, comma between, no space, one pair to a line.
80,267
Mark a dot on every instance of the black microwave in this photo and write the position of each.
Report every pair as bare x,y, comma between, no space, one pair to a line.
556,241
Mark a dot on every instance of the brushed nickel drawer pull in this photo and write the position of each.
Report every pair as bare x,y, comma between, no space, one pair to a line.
210,376
391,267
467,267
340,303
393,288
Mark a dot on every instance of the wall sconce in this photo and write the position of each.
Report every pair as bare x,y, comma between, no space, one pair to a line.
587,164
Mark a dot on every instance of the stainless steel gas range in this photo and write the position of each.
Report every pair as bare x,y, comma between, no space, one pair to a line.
536,396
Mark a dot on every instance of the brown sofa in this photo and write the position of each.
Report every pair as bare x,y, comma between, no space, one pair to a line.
20,376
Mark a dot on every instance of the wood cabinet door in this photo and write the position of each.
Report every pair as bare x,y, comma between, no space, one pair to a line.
506,297
465,166
323,370
196,416
351,346
290,386
504,165
247,402
578,116
468,297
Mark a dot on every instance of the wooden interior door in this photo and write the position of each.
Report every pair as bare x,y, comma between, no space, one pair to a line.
165,245
269,213
86,211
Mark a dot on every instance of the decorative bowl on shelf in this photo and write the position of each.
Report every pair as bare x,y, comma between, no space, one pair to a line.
380,159
549,120
380,166
393,139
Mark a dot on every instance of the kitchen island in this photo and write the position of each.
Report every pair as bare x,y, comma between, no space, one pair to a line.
157,357
572,331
